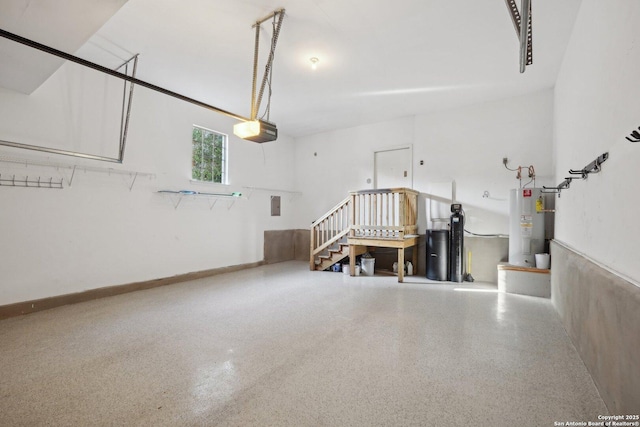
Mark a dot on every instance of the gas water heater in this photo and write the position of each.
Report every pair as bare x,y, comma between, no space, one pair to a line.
526,226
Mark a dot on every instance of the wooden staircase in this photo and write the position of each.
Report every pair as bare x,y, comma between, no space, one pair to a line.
363,221
329,237
335,255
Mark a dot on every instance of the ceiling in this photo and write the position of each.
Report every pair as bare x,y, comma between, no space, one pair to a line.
378,60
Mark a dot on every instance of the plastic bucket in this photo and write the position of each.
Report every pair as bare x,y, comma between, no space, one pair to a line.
542,261
368,265
347,272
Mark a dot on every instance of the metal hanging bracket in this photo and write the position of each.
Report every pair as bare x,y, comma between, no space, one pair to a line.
256,98
126,100
582,173
524,32
593,167
132,80
634,134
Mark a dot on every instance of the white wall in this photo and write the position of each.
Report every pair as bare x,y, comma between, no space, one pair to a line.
463,145
330,164
467,145
597,101
98,233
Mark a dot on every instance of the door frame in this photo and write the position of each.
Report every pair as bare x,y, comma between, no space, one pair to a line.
393,148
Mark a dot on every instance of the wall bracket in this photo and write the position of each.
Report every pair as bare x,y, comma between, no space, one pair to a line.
634,134
593,167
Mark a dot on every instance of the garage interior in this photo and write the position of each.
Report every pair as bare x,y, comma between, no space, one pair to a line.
144,282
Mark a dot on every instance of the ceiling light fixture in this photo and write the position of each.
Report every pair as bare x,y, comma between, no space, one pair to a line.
314,62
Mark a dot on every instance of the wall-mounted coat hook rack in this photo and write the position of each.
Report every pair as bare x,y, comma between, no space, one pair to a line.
634,134
582,173
30,183
562,186
593,167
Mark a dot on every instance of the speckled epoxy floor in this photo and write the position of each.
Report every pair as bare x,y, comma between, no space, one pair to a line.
280,345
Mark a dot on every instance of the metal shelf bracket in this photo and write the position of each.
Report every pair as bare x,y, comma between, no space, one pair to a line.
177,196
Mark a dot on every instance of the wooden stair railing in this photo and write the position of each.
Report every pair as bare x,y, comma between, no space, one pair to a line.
384,219
327,234
384,214
363,221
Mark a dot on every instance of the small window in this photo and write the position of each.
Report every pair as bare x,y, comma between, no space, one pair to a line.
209,158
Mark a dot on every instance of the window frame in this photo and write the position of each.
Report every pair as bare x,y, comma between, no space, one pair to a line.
224,179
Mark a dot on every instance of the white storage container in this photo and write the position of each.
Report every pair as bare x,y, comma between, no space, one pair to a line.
368,266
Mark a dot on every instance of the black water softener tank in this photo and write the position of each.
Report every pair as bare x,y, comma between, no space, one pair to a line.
456,243
438,255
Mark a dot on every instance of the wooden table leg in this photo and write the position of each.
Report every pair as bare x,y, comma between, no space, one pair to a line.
415,259
400,265
352,260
